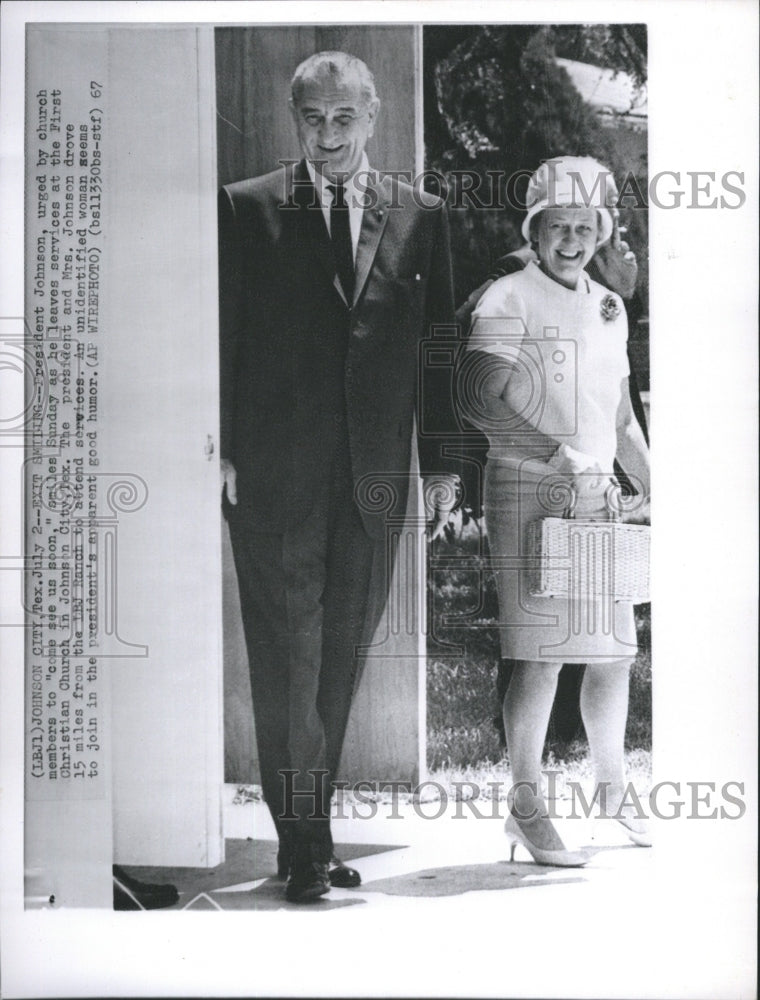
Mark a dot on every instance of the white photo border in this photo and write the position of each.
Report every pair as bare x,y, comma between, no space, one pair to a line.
700,939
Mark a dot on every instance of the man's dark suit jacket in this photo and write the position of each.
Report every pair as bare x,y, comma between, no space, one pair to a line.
284,321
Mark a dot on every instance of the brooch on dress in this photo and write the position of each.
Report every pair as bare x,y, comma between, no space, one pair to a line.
610,308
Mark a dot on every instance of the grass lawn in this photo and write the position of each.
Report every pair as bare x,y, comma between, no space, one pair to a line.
487,781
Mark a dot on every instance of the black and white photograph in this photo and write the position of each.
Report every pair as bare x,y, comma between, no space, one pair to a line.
379,417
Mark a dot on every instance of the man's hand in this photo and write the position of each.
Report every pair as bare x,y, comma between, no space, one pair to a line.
441,495
229,480
641,515
445,524
617,263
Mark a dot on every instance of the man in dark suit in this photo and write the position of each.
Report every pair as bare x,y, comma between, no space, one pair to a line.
330,275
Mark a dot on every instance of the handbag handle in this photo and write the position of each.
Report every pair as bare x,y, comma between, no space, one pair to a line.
572,499
613,515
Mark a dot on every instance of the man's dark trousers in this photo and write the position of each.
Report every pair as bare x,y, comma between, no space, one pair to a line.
305,596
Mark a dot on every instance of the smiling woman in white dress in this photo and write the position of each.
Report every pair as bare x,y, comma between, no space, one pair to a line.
546,378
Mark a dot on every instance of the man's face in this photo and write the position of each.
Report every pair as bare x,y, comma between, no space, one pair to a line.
334,121
566,242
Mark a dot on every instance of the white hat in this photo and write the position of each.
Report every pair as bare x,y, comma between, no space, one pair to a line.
576,181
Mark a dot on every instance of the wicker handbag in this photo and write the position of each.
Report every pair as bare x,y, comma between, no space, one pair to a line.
589,560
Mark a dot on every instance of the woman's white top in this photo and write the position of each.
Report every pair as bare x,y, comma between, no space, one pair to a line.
566,354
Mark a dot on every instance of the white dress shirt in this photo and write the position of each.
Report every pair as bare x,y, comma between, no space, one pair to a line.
354,197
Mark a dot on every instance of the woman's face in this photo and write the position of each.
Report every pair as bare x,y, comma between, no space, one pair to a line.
566,242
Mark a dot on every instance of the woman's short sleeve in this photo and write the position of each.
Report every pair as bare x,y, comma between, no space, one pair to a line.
499,320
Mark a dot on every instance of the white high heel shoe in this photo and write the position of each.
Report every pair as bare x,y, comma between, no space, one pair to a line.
636,830
517,833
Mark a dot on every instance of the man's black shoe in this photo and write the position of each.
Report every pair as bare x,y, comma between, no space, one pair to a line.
343,877
307,881
130,894
340,875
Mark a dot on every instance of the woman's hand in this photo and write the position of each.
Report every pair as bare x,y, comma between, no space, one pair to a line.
641,515
571,462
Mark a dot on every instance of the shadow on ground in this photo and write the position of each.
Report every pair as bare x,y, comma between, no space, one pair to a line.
246,880
457,879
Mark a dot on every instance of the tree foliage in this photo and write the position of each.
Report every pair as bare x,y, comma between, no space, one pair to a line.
619,47
497,100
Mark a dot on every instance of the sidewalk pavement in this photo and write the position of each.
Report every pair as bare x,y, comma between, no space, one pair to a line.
441,850
404,849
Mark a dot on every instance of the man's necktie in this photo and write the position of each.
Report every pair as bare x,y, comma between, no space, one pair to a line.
340,235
